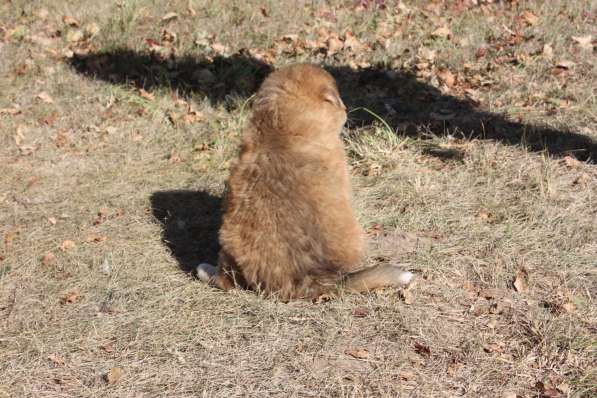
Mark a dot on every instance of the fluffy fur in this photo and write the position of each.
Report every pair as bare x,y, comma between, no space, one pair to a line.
288,227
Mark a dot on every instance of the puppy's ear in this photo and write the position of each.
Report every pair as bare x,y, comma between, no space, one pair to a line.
333,97
266,103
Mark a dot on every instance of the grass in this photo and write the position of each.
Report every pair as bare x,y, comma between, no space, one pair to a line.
469,184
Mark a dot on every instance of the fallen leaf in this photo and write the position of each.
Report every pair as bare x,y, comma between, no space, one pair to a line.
108,347
584,42
360,312
52,220
94,238
45,97
102,215
497,347
582,180
407,296
568,307
48,259
56,359
529,17
491,293
521,280
350,41
91,29
10,111
114,375
422,349
359,353
41,13
481,52
443,32
571,162
565,64
169,17
333,45
406,374
548,51
61,139
323,298
70,21
168,36
73,36
67,245
446,77
220,48
147,95
71,297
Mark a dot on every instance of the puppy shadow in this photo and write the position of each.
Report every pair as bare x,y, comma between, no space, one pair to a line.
409,106
190,223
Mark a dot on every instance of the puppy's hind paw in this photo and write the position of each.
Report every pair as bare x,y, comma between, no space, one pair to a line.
205,272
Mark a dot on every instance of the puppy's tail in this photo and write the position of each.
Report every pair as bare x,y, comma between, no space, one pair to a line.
377,277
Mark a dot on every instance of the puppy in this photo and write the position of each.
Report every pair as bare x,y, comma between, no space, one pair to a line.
288,226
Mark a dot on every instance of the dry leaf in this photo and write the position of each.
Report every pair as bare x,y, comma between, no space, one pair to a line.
571,162
168,36
360,312
406,374
491,293
220,48
422,349
481,52
94,238
52,220
323,298
582,180
169,17
584,42
71,297
45,97
108,347
548,51
67,245
102,215
333,45
350,41
70,21
41,13
529,17
73,36
359,353
446,77
408,296
565,64
191,11
147,95
443,32
568,307
91,29
56,359
114,375
48,259
10,111
521,280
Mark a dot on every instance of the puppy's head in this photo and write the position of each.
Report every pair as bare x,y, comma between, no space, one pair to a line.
300,100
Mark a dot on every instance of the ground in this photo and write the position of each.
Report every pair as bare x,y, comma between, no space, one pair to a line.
472,145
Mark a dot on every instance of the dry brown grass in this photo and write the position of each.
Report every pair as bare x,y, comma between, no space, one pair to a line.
464,206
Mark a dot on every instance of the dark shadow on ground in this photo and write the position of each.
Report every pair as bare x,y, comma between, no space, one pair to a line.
406,104
190,223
